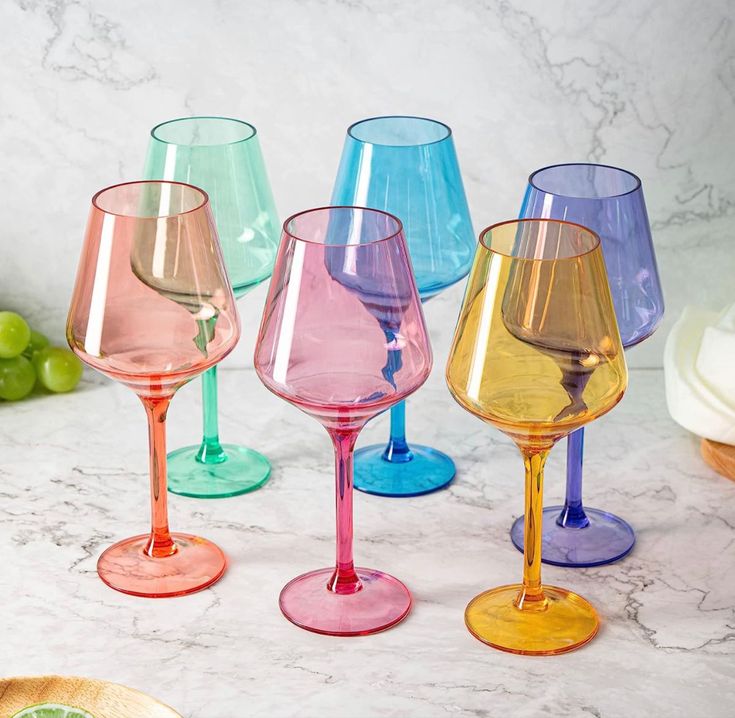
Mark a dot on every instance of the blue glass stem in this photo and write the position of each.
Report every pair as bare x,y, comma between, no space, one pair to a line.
211,451
572,515
397,450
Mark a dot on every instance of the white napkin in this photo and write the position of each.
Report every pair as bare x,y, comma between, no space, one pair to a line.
699,368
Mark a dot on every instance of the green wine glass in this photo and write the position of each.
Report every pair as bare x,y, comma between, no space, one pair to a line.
222,156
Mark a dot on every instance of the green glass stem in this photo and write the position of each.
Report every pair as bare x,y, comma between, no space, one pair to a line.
211,451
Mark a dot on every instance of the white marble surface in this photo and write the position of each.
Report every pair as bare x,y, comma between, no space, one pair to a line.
645,84
73,471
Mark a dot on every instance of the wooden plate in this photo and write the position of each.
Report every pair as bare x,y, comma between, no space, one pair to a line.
100,698
721,457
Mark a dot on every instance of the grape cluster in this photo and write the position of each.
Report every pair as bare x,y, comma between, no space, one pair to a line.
27,359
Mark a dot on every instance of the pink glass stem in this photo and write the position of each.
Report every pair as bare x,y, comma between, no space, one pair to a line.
160,543
345,579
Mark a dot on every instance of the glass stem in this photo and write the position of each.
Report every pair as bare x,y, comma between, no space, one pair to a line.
572,516
531,596
344,579
211,451
397,449
160,543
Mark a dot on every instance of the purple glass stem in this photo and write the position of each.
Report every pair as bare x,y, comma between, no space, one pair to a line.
572,515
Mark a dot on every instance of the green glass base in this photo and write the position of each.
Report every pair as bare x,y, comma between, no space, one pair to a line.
243,470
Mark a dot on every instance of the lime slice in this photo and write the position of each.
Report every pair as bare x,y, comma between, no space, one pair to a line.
52,710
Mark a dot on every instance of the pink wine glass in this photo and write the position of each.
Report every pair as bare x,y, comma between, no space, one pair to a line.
343,338
152,308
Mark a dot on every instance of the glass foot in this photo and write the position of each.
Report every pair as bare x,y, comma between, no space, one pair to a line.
382,602
428,470
607,538
196,564
566,622
243,470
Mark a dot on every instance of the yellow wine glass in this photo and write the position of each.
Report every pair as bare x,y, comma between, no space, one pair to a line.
536,353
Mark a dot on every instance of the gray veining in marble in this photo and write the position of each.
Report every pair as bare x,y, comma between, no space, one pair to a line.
74,480
645,84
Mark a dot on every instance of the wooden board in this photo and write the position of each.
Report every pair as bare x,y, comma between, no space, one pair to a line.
721,457
101,699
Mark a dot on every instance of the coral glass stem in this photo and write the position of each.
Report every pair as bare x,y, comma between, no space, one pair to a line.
160,543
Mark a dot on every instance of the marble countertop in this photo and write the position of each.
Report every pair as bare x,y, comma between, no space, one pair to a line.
74,479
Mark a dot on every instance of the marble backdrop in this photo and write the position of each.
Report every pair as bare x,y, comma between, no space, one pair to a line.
643,84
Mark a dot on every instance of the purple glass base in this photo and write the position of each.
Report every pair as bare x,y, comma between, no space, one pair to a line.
607,538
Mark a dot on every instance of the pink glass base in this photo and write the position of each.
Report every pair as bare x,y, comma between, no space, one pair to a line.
382,602
196,564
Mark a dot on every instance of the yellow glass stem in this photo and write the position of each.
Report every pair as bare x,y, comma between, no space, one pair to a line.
531,596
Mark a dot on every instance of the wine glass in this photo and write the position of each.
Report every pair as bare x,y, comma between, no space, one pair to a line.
222,156
408,166
152,307
609,201
536,353
343,338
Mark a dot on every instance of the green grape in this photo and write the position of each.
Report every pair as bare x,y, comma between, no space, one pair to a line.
14,334
37,342
58,369
17,377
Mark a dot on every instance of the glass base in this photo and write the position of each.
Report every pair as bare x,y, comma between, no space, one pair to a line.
196,564
606,539
243,470
566,622
428,470
382,602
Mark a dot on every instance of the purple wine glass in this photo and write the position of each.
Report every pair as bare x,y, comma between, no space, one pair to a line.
610,202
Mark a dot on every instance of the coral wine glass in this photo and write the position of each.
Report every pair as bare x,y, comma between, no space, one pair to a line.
343,339
610,202
152,307
537,354
408,166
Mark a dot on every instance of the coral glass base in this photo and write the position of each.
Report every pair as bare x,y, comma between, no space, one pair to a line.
565,622
242,470
427,470
196,564
382,602
605,539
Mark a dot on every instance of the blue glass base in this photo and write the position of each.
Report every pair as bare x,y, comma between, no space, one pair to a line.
425,471
607,538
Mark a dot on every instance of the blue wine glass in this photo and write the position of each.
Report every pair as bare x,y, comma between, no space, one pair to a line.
407,166
610,202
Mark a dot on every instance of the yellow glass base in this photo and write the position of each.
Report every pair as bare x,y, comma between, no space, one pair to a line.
566,621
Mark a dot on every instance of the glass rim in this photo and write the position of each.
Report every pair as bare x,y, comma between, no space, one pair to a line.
204,199
537,220
400,117
636,178
253,130
392,217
